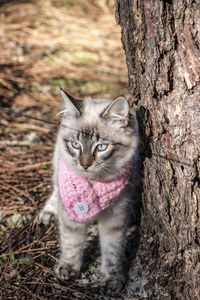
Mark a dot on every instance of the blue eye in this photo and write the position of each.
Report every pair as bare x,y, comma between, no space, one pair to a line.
75,145
102,147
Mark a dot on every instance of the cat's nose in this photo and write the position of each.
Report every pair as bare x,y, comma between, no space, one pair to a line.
85,166
85,160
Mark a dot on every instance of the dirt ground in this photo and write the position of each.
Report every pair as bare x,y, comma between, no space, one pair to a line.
45,45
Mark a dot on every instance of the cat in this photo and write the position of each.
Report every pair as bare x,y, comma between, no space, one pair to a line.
96,148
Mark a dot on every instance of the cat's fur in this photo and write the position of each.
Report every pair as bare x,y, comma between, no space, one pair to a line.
91,122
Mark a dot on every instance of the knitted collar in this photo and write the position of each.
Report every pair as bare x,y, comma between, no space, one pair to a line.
83,200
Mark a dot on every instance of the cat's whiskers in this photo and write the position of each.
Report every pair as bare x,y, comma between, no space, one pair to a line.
130,183
119,164
104,173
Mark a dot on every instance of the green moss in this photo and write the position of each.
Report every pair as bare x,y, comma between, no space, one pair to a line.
48,168
13,259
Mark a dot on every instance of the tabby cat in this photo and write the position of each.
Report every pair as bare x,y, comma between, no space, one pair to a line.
93,161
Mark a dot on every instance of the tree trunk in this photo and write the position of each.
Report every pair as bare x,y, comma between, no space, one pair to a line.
161,39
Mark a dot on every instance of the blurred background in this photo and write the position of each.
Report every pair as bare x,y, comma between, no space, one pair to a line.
43,45
74,44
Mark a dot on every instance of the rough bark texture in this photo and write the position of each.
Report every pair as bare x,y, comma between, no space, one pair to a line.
161,40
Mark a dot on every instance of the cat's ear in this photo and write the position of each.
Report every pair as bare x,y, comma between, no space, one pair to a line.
71,105
118,111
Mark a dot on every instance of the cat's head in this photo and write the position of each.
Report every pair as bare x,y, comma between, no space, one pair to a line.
97,137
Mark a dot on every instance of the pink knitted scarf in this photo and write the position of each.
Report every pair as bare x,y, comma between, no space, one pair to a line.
84,200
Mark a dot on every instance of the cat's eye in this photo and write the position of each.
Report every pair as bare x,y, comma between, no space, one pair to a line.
75,145
102,147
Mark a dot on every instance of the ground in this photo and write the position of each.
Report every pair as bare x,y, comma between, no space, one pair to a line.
45,45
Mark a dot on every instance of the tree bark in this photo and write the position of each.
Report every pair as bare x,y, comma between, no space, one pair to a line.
161,39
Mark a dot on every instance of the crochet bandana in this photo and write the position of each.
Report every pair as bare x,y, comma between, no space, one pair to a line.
83,200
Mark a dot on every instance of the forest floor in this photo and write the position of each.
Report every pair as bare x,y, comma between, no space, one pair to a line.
45,45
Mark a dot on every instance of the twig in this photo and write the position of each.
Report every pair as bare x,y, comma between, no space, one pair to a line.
44,268
26,251
56,259
30,293
57,285
30,126
24,144
29,167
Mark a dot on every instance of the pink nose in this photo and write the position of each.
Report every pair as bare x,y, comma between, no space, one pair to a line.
85,166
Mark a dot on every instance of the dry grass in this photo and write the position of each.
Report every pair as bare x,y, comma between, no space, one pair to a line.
44,44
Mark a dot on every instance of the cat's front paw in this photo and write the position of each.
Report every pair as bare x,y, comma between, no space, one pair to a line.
113,282
45,217
66,271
